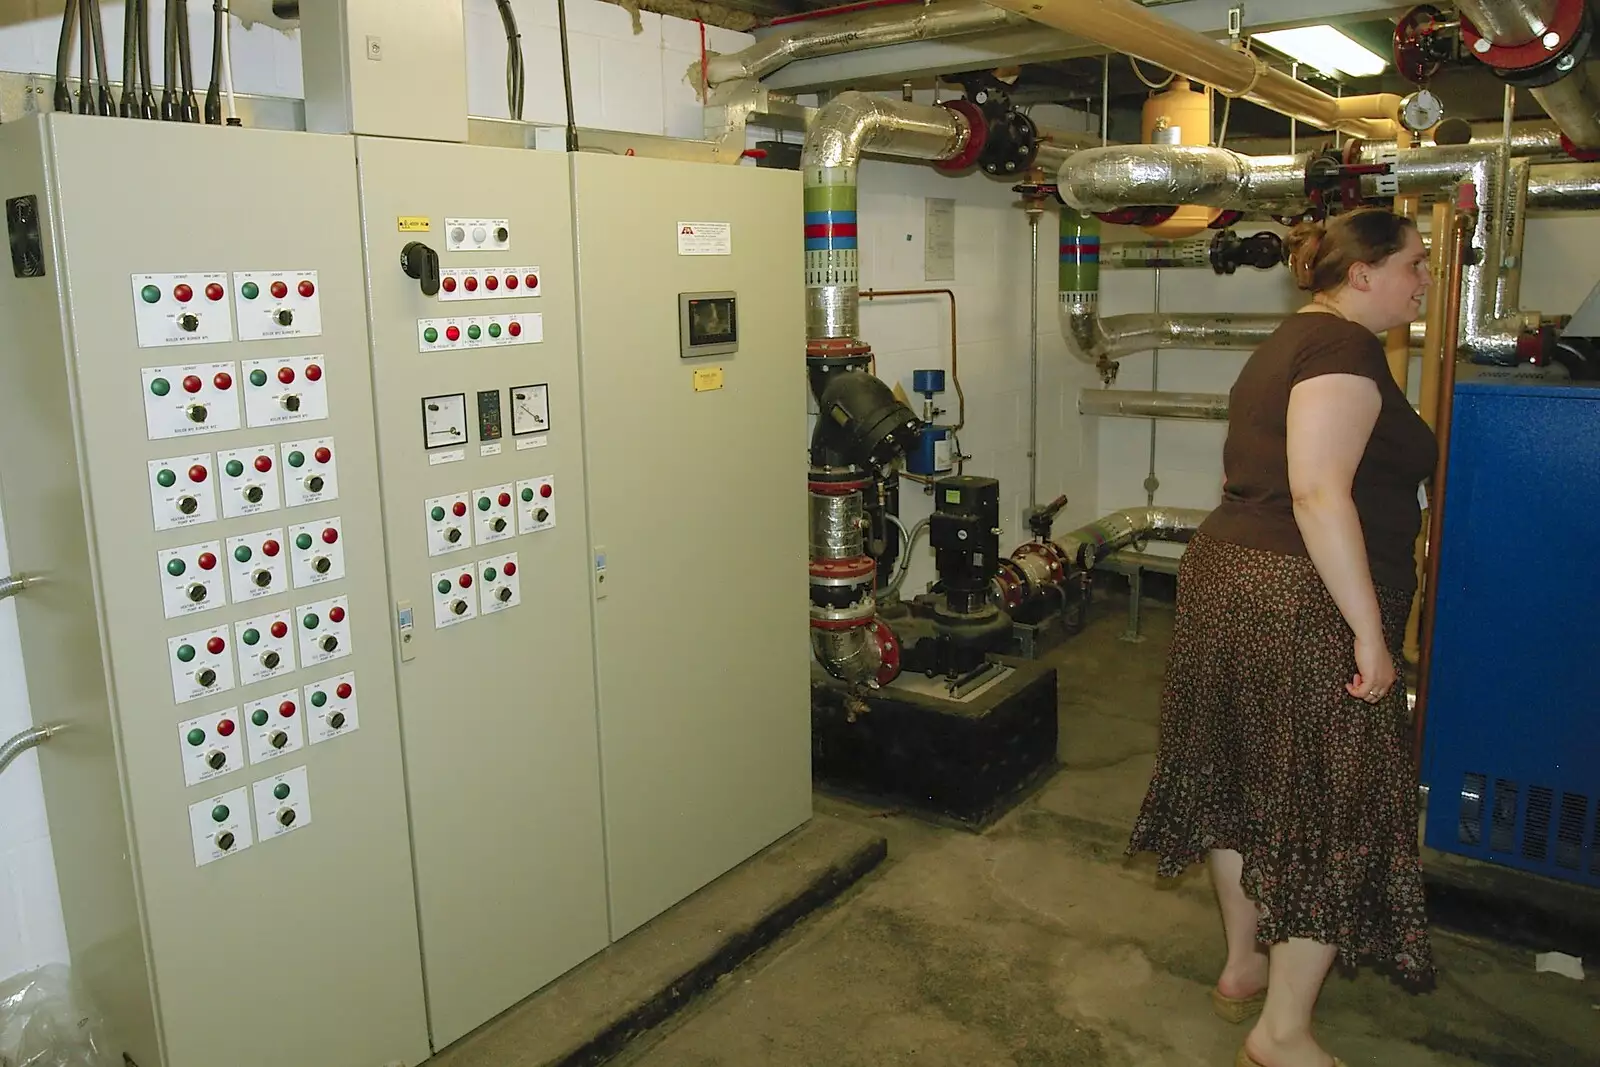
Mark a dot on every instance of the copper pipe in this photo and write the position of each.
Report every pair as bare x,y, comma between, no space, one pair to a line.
1397,344
1125,26
1460,235
955,371
1428,401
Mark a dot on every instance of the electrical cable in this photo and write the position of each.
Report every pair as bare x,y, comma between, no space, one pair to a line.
516,78
169,61
147,97
107,104
85,61
903,564
187,100
63,95
566,76
129,105
232,109
1134,63
214,89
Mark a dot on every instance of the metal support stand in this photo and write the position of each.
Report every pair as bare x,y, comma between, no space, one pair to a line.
1135,594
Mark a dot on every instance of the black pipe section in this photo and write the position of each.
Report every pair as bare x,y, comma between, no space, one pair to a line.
860,423
85,60
147,97
189,103
129,105
219,26
169,61
106,103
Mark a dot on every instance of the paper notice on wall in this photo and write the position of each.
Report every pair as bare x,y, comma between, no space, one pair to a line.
705,238
939,244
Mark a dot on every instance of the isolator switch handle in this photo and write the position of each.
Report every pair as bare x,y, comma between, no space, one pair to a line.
422,263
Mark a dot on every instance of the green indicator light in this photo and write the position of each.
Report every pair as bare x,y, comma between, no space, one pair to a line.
185,653
437,514
197,737
443,587
219,813
150,294
258,377
251,636
430,335
303,542
483,503
281,790
490,574
527,496
234,468
297,459
494,329
311,622
160,387
473,332
242,553
259,717
166,479
250,290
319,698
175,567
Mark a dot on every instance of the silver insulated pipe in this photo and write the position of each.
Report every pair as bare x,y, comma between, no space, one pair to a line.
1142,404
1101,342
1571,100
1088,545
853,32
846,127
1102,179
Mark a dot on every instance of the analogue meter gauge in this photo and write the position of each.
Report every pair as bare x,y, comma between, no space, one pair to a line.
444,420
1421,111
530,409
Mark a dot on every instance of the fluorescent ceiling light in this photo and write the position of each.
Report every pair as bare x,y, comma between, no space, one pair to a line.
1326,49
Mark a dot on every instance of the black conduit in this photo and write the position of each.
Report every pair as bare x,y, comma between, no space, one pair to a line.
63,96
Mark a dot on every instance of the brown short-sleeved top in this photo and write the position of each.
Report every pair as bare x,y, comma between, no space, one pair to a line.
1257,510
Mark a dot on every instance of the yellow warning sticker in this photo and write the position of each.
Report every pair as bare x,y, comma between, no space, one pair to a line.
707,378
413,224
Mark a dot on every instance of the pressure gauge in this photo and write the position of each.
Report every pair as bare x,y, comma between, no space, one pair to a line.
1421,111
444,420
530,409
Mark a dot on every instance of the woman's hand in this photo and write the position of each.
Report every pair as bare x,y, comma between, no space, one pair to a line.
1374,671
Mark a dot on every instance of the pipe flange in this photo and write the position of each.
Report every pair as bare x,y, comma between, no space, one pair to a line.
1225,219
855,617
836,347
977,135
847,482
843,572
1010,584
1136,216
1556,39
1012,144
1582,155
888,652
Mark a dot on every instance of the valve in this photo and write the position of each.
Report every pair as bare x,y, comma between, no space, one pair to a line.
1003,140
1421,44
1040,519
1263,251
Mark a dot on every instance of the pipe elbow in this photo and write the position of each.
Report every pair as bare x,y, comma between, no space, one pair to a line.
855,122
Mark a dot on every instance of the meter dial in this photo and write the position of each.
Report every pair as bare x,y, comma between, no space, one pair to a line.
530,409
1421,111
444,420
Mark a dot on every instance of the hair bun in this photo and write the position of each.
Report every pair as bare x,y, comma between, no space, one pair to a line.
1303,244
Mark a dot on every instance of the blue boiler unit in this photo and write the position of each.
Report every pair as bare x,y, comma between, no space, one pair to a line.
1512,750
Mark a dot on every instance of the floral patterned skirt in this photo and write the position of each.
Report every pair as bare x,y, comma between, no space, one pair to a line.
1264,752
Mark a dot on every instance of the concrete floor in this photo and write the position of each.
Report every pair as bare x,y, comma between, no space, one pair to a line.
1038,944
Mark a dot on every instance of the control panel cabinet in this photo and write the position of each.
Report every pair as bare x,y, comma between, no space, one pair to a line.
186,368
475,372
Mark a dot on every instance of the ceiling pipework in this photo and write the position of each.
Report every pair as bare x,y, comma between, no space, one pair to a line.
1124,26
1540,45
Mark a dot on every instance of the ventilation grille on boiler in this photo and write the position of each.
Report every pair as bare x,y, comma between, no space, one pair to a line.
1533,831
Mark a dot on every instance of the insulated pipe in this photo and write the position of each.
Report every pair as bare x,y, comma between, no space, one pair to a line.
1088,545
1522,40
846,127
1534,138
1141,404
1564,187
1487,336
853,32
1125,26
1101,342
1102,179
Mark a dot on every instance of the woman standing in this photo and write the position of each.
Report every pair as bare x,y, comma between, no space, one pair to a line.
1284,758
